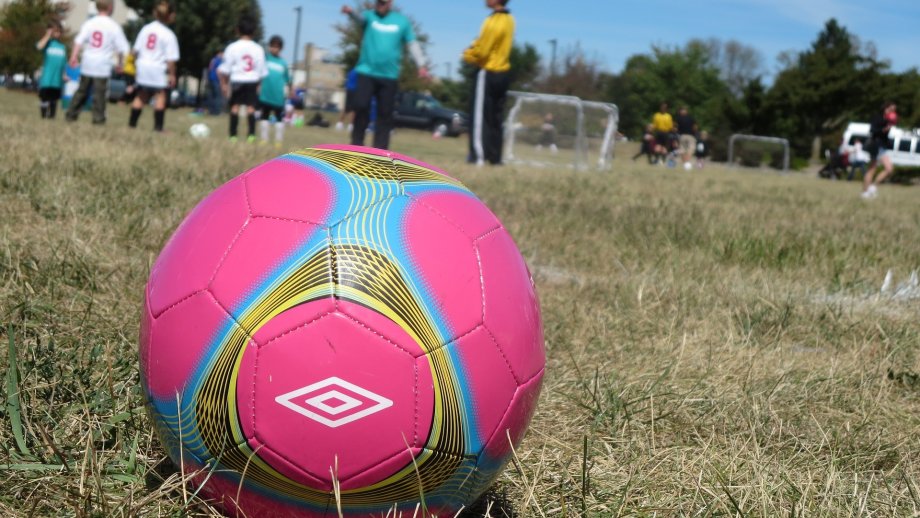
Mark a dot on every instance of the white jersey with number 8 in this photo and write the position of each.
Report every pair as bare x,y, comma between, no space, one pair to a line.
156,45
244,62
101,38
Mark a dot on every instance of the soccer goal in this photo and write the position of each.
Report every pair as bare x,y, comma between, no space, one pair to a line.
549,130
758,153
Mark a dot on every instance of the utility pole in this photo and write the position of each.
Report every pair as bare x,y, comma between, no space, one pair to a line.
552,62
299,9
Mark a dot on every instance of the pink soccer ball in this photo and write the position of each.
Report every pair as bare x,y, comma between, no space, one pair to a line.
341,329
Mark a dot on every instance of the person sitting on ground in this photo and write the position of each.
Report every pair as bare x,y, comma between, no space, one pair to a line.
859,160
548,134
648,144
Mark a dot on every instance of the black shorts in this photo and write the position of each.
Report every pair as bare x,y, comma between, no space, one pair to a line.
662,138
49,94
267,110
874,147
244,94
148,90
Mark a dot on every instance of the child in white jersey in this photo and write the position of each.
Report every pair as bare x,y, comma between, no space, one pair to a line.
241,74
100,38
156,52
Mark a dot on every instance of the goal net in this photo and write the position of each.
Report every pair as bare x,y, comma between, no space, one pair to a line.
547,130
757,150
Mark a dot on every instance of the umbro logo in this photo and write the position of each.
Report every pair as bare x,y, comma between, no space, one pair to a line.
334,402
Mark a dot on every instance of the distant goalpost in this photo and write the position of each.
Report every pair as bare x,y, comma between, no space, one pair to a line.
757,138
549,130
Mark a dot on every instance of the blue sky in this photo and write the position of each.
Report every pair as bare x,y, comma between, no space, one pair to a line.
610,31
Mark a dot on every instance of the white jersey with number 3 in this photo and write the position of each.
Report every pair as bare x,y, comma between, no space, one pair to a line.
244,62
156,45
101,38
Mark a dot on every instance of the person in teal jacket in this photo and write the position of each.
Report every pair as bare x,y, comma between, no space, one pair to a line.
272,93
385,32
54,63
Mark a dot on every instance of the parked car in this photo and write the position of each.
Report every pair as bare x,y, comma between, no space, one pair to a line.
420,110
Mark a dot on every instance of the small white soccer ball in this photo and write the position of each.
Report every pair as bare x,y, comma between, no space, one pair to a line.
199,130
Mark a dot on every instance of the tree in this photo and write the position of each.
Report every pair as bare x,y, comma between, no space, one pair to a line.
679,76
738,63
22,23
204,26
822,88
580,76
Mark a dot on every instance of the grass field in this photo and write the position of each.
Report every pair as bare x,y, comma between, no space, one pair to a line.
717,342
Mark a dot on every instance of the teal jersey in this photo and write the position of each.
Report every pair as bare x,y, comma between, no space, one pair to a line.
273,84
382,44
55,60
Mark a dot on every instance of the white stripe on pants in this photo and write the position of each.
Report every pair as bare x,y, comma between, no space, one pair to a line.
478,115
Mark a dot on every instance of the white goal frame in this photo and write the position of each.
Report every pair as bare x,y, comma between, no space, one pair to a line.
580,161
757,138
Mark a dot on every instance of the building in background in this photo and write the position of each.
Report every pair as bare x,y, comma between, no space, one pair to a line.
321,77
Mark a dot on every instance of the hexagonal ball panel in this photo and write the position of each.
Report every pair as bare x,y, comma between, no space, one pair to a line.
175,343
351,188
513,424
512,311
289,188
194,251
487,381
433,257
267,252
462,209
348,390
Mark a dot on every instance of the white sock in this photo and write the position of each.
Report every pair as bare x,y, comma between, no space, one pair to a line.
263,130
279,132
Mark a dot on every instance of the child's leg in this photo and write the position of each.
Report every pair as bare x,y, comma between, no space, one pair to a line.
279,132
43,102
159,111
137,106
52,102
251,120
79,98
234,119
263,123
100,91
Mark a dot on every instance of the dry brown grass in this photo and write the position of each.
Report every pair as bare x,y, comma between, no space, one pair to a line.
717,343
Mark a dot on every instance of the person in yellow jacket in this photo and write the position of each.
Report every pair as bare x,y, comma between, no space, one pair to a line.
663,124
490,53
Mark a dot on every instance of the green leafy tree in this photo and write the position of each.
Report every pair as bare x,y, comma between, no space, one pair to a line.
679,76
822,88
203,27
22,24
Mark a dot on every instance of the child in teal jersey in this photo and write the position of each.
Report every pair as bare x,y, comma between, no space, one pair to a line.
54,63
272,93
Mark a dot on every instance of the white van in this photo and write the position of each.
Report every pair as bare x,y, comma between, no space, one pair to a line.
903,145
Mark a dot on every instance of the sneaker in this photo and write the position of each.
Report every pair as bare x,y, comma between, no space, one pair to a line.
870,193
233,140
263,142
339,126
277,145
688,166
251,139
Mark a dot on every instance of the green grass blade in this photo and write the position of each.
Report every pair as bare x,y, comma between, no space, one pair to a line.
13,407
